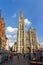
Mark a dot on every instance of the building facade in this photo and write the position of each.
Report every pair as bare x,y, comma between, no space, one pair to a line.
3,37
32,41
26,42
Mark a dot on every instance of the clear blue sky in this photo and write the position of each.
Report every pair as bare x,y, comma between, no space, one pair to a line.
32,10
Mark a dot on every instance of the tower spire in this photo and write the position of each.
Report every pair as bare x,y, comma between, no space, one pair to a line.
21,15
20,12
0,13
20,35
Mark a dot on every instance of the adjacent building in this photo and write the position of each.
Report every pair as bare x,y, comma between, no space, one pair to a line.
3,37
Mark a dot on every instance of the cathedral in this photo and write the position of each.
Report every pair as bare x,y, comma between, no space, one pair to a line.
26,41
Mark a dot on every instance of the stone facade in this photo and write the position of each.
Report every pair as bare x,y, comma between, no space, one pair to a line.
3,37
33,43
26,42
33,39
4,40
40,46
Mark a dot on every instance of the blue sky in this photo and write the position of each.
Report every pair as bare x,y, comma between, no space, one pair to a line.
32,11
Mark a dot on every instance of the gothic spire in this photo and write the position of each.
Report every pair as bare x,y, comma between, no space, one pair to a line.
21,15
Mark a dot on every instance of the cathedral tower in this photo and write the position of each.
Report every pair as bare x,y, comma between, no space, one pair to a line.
20,34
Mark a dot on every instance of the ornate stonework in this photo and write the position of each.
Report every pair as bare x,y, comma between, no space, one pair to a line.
25,41
2,33
33,39
20,34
